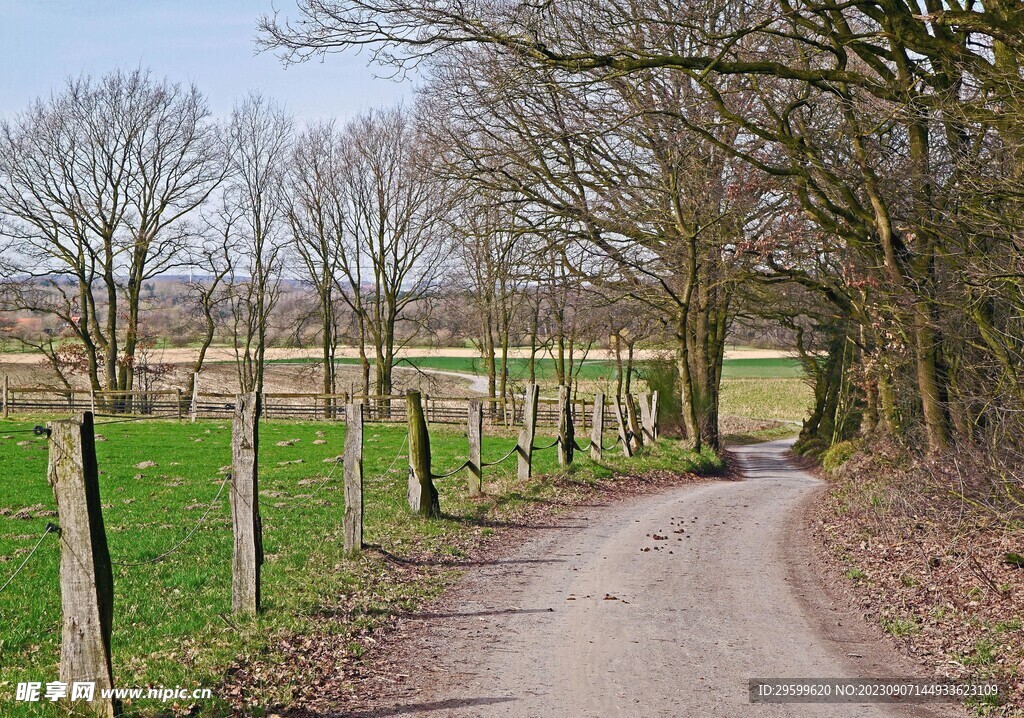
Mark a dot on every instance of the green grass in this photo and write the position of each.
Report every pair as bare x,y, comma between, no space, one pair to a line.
784,431
783,399
856,574
172,623
518,368
899,627
777,368
594,370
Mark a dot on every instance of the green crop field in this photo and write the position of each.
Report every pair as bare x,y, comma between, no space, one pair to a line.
172,622
766,398
518,368
775,368
592,369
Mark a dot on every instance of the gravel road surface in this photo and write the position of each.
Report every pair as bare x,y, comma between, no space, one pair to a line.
664,605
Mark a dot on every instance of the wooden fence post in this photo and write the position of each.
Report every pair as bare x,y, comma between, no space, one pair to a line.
646,419
597,431
194,409
566,432
245,507
423,497
634,422
86,579
7,396
525,446
475,433
655,424
353,523
627,447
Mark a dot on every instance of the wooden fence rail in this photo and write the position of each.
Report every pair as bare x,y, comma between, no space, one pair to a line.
299,406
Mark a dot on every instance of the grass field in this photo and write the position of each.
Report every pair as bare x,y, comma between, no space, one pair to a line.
172,623
518,369
761,368
782,399
591,370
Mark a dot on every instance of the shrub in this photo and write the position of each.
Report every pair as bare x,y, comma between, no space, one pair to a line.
813,447
838,454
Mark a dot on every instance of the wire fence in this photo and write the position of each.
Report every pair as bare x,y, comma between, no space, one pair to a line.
174,549
402,453
498,411
50,529
43,432
502,460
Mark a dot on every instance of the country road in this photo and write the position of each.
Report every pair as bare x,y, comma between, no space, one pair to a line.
477,383
597,617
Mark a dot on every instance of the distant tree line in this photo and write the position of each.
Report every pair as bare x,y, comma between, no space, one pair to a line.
357,233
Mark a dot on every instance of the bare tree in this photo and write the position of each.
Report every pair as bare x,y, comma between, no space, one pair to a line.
207,294
97,184
316,215
260,137
394,246
491,253
620,195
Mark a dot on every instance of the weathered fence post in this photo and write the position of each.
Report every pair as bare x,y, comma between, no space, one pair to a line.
194,409
7,396
634,422
566,432
655,424
353,523
245,507
86,580
627,448
475,433
525,446
423,497
646,419
597,431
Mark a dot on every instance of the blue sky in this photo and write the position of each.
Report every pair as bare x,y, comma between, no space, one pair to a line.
208,43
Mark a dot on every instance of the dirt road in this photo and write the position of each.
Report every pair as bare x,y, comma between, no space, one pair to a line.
598,617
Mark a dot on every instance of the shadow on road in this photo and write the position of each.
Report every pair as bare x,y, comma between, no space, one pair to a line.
473,614
456,563
409,709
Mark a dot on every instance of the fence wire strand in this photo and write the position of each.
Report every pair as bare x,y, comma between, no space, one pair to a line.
552,445
383,475
50,529
338,461
464,465
143,417
582,447
502,459
192,531
25,431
